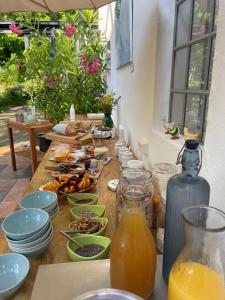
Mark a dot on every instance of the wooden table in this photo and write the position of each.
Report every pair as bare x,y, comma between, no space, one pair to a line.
57,252
31,130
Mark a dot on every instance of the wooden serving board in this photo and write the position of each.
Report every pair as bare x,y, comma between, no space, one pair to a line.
53,166
52,136
68,280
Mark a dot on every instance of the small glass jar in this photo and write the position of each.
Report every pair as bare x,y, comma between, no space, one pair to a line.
126,156
121,151
161,223
161,174
118,145
135,164
138,177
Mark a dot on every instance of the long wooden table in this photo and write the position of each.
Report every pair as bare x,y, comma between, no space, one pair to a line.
57,252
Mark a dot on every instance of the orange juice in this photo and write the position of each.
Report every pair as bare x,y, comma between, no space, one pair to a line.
193,281
133,255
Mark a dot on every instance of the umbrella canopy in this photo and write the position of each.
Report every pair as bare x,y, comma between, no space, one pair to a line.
49,6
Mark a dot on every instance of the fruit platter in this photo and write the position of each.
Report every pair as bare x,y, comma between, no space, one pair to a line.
67,184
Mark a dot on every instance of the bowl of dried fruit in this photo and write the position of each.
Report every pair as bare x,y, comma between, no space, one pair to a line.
82,199
67,184
86,225
91,211
92,247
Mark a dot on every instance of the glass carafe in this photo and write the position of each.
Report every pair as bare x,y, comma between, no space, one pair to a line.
199,272
136,177
133,252
183,190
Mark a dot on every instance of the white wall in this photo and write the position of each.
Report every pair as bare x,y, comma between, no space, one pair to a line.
145,92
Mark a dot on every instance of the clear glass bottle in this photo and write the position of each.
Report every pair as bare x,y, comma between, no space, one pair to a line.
183,190
133,252
138,177
199,272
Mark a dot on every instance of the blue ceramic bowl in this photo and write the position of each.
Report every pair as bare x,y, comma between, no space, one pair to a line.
33,237
13,271
25,223
41,199
36,242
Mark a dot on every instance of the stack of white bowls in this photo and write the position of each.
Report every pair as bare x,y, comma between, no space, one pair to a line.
28,231
41,199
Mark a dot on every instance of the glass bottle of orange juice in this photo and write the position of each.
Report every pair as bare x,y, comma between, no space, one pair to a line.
199,272
133,252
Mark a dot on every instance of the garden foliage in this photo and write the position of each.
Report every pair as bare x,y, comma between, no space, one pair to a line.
63,68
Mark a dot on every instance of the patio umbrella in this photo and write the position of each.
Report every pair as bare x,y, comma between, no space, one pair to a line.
49,6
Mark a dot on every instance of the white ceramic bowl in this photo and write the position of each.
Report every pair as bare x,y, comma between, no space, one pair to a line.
33,243
34,251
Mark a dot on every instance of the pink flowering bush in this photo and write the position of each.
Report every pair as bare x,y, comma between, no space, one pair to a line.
71,71
15,29
70,30
90,68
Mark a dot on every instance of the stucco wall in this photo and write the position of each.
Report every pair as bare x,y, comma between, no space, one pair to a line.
145,91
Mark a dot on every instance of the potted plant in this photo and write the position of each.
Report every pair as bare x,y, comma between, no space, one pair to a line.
107,103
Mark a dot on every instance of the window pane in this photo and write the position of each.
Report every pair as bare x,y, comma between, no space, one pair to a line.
194,115
183,22
180,69
211,63
198,65
177,109
201,18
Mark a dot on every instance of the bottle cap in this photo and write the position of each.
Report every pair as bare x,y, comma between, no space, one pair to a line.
191,144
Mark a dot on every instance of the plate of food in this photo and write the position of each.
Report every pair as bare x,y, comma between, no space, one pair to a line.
67,184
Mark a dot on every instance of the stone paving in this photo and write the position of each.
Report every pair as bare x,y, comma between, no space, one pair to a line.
18,136
12,183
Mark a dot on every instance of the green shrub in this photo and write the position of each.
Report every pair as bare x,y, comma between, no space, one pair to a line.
12,97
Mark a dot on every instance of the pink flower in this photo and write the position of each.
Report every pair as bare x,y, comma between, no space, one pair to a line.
68,33
95,62
69,27
92,68
14,29
70,30
84,57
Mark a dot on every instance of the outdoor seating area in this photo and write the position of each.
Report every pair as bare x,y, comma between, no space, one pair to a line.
111,150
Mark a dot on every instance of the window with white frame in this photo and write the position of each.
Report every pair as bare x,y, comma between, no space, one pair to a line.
193,51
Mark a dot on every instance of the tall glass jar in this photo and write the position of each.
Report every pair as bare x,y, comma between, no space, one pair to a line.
133,252
199,272
138,177
161,174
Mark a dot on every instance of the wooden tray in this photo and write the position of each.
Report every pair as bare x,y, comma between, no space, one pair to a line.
68,280
87,139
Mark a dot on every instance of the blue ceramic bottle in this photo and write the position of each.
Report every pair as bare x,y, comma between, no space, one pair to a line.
183,190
